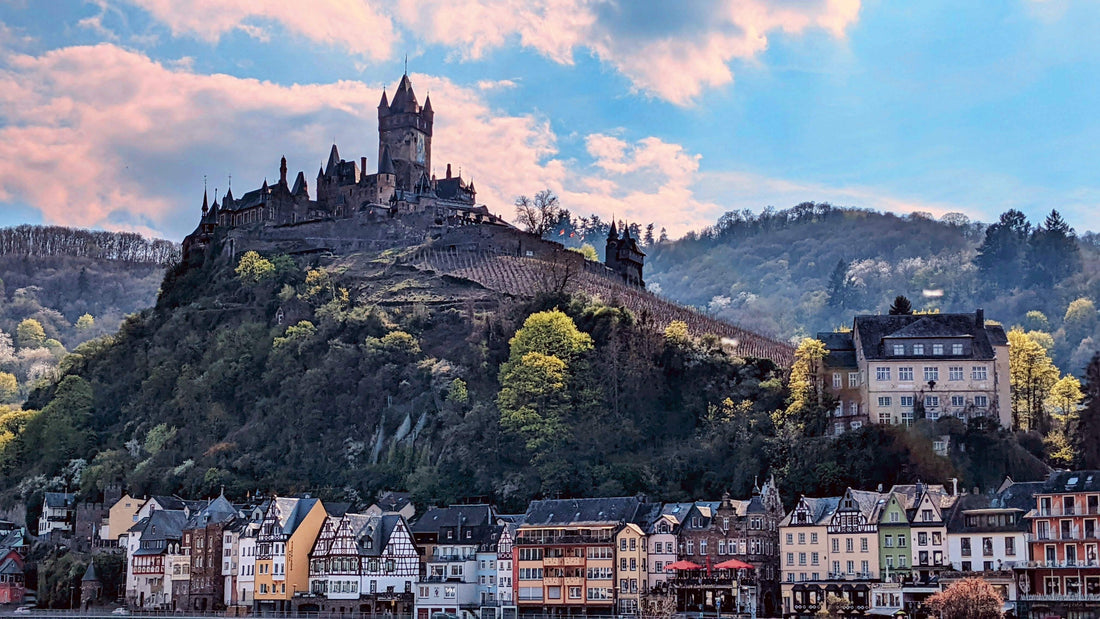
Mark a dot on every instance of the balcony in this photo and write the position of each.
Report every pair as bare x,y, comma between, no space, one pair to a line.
1060,597
561,540
1061,510
1023,565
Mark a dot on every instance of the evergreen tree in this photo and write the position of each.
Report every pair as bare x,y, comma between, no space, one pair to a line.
1032,375
1053,254
901,306
1001,255
841,288
1086,437
648,239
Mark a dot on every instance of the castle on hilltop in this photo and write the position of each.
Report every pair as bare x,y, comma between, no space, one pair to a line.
401,203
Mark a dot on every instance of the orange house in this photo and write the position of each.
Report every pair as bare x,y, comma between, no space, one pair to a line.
289,529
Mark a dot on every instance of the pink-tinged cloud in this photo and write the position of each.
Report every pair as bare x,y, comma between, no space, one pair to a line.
359,27
667,50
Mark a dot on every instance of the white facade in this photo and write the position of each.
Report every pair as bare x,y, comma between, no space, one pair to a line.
504,596
662,550
450,582
245,589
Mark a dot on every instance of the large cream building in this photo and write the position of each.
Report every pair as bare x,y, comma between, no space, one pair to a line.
897,369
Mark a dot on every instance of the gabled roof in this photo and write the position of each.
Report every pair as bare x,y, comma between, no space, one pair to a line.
161,525
821,509
168,502
927,326
582,511
10,566
90,574
217,511
292,511
377,529
1072,481
396,501
983,504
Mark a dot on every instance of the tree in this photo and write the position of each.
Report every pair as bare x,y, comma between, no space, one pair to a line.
1032,374
809,401
969,598
1065,396
1001,255
1086,435
1052,253
539,215
841,287
588,252
9,387
254,268
535,381
648,238
901,306
1080,319
30,334
85,322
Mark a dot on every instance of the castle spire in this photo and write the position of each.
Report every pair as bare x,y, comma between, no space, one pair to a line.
385,164
613,233
333,159
205,203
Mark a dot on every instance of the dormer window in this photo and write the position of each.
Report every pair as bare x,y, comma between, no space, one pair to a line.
956,349
899,350
918,349
937,349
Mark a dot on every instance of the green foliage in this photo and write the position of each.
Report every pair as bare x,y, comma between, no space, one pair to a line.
30,334
809,401
85,323
254,268
677,334
457,392
9,387
1032,375
589,252
901,305
158,437
295,334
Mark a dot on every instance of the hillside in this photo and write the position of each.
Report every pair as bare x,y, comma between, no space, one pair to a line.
811,268
345,375
76,285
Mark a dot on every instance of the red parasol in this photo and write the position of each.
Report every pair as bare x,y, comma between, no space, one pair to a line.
683,565
733,564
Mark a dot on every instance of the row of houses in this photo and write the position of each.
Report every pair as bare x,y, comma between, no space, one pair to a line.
567,557
881,552
885,552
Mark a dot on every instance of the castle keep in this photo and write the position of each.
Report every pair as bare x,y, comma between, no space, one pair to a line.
401,204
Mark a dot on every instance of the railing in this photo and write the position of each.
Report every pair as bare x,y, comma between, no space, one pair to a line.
1044,564
1061,510
1053,536
1059,597
524,540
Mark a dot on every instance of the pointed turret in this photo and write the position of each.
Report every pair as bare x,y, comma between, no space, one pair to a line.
333,160
428,104
613,233
205,204
264,188
300,187
384,104
385,164
228,199
404,100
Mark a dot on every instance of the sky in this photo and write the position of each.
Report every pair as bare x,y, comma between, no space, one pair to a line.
113,112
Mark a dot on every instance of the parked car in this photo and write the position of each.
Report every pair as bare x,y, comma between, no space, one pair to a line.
122,610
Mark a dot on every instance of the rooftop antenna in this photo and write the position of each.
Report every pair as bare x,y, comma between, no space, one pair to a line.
204,182
231,181
406,63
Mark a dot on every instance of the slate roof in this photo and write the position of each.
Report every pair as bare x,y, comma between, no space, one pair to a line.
873,329
292,511
376,528
60,500
395,501
678,511
821,509
582,511
956,519
162,525
90,574
1071,481
169,502
217,511
453,516
10,566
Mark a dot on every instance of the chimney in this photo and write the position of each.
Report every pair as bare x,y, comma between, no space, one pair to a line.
448,170
880,487
954,486
979,318
282,171
363,165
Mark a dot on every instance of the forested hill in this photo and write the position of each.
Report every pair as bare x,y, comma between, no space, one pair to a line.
60,287
812,267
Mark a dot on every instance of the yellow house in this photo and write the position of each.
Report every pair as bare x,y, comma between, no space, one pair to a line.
122,515
630,567
289,529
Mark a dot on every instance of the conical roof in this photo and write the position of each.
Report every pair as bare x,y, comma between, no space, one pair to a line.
385,164
90,574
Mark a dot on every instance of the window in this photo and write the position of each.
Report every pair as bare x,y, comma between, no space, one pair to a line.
813,538
863,544
931,372
790,538
902,560
931,401
905,374
906,401
884,401
918,349
853,408
957,349
955,372
691,547
814,558
885,418
851,565
1010,546
925,516
966,566
907,417
836,546
622,544
864,567
790,558
987,546
901,541
958,400
853,379
837,381
801,538
981,401
802,558
849,545
899,350
882,373
721,546
937,349
888,541
978,372
702,546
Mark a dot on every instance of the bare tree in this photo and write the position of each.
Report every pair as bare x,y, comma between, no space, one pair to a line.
538,215
558,273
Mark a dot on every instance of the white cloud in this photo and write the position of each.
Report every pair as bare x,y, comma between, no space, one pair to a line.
673,51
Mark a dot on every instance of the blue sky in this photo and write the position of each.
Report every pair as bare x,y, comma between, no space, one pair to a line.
113,111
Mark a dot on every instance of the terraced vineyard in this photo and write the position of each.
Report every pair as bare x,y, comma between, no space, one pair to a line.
522,276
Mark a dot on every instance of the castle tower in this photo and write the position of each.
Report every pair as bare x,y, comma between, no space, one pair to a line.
623,256
405,128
